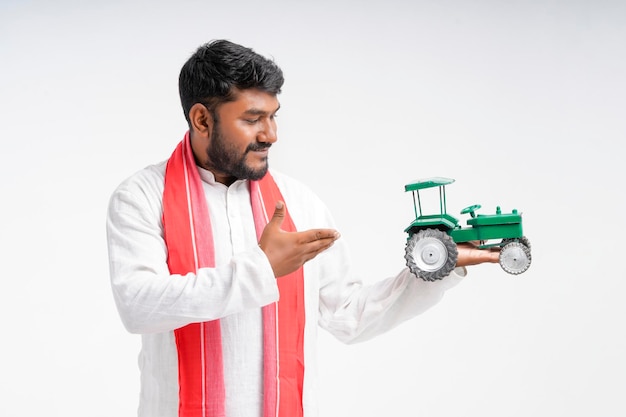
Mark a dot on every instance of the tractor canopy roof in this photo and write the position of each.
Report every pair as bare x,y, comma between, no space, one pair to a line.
427,183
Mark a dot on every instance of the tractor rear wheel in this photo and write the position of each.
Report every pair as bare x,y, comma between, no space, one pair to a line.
515,258
431,254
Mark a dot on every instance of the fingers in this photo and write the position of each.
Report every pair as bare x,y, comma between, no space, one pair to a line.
287,251
311,243
469,254
279,214
279,210
312,248
314,235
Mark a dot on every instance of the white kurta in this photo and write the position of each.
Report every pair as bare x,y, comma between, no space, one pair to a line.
153,303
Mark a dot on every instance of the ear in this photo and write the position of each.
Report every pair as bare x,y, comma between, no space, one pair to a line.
201,120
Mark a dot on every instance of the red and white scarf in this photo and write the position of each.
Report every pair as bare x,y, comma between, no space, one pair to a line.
189,240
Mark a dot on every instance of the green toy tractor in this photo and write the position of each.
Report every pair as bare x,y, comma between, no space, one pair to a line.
431,251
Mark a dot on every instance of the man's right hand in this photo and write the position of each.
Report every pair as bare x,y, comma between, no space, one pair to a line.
288,251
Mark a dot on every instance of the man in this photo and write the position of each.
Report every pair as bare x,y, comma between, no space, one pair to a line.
208,266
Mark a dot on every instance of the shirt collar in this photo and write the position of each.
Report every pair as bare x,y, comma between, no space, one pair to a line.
209,178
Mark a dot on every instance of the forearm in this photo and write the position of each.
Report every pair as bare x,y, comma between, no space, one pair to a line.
151,300
394,301
354,312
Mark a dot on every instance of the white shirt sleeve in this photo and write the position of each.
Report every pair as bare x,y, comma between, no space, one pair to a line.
349,309
354,312
149,299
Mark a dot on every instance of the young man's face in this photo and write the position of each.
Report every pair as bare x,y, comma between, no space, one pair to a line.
239,142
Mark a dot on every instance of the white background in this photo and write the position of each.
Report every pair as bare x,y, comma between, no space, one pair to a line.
522,102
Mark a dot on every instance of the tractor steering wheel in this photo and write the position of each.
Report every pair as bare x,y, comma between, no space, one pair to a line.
471,210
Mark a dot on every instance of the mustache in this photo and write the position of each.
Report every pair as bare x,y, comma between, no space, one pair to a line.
257,147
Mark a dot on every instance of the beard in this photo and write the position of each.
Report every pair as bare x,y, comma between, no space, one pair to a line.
226,159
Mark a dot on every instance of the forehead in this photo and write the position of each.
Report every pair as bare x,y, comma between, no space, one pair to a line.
252,100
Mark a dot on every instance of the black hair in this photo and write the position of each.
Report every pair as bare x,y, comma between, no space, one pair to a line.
217,69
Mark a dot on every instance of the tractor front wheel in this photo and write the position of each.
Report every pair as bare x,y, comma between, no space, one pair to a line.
431,254
515,258
523,240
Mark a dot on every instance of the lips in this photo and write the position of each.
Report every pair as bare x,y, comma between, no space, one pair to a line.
258,147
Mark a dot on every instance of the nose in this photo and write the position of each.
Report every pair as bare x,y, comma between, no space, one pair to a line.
268,133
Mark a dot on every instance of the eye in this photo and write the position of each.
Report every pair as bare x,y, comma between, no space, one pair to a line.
252,121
